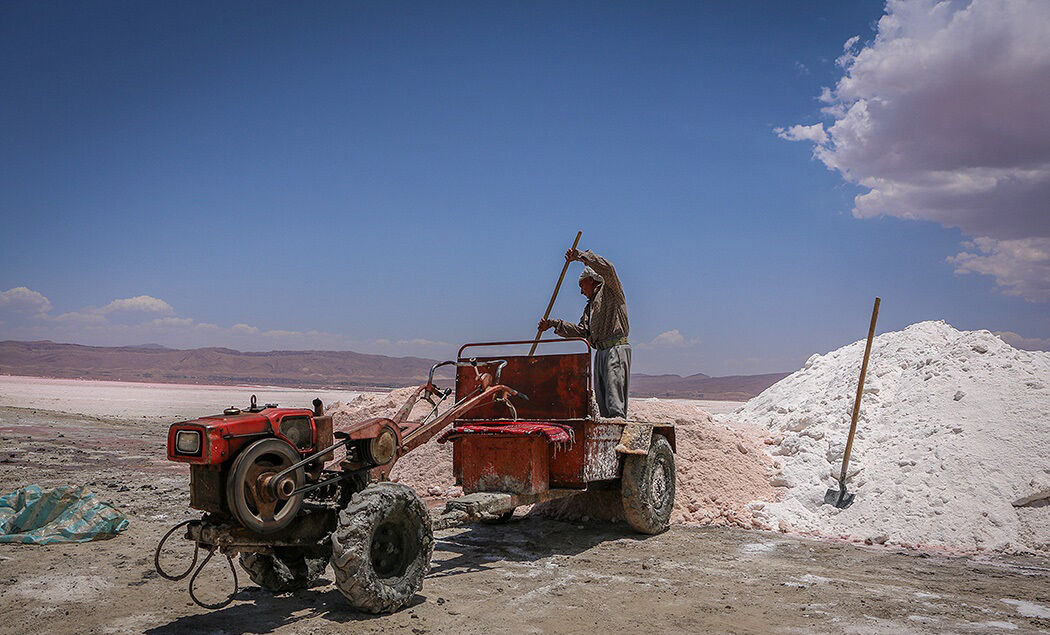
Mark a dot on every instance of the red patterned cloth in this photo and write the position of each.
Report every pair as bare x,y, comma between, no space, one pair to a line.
555,432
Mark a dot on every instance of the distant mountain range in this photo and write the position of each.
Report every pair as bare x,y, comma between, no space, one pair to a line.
151,362
701,386
306,369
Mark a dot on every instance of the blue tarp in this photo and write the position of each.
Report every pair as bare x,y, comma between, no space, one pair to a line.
70,513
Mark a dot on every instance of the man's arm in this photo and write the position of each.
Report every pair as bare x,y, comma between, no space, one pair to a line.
601,266
568,329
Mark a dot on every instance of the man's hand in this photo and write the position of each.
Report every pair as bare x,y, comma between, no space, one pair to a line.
544,325
572,254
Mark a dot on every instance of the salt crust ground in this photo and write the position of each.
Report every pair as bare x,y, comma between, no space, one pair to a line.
952,443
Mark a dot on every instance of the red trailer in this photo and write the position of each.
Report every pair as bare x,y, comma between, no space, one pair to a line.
554,443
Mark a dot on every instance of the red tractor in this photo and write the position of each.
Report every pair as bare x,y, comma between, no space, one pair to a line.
273,493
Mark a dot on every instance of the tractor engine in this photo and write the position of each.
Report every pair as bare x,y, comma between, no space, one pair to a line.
237,458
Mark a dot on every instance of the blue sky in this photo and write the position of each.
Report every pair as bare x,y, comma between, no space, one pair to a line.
404,177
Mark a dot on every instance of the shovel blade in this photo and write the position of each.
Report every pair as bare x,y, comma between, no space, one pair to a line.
839,498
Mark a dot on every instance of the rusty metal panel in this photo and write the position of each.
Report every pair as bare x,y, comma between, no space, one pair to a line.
208,488
636,438
516,464
557,386
457,463
323,426
467,509
600,460
566,463
667,431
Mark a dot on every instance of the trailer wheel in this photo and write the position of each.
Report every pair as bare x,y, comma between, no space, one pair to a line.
381,548
648,487
287,568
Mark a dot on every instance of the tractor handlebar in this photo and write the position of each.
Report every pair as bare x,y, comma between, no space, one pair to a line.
472,362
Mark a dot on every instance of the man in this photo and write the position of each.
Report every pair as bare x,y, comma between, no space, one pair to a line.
604,325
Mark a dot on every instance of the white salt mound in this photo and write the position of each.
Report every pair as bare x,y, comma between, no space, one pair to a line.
952,446
719,466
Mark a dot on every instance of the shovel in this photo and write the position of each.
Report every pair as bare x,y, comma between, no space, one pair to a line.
554,296
841,498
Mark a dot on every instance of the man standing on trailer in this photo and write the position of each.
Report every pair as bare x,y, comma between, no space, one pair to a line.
604,324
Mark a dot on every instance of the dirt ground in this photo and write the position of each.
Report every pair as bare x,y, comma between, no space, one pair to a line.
531,575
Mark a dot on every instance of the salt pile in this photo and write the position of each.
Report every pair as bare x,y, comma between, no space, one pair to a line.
952,447
719,468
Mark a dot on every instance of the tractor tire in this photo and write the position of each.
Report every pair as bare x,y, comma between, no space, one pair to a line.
287,568
648,486
381,548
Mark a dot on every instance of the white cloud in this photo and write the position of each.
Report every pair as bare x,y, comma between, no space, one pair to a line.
276,333
814,133
1026,343
26,315
945,117
140,303
669,339
172,321
422,342
673,337
82,317
1021,267
120,306
25,300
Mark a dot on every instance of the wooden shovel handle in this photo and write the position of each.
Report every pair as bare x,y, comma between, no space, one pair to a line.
860,391
554,296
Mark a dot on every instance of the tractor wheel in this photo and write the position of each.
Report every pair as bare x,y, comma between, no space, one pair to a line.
250,500
381,548
287,568
648,486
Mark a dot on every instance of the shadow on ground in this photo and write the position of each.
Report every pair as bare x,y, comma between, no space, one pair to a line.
466,550
480,547
257,611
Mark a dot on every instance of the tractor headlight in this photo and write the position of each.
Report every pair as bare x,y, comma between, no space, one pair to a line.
188,442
